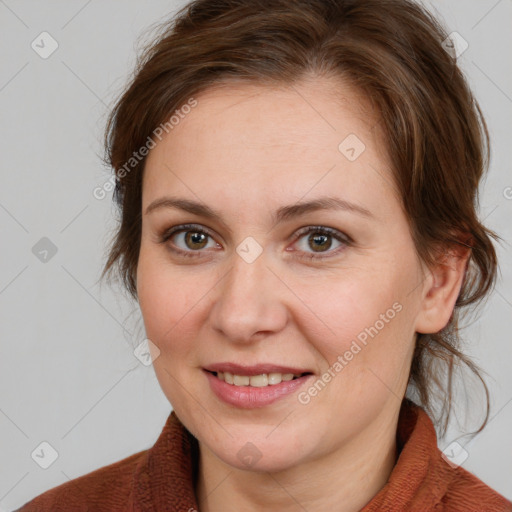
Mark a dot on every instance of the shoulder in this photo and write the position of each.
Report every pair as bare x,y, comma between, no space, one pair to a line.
108,488
467,493
424,478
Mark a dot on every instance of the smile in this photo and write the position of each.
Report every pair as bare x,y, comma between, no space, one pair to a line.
256,390
256,381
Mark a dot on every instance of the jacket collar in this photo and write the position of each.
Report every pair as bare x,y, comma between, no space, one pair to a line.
165,478
421,476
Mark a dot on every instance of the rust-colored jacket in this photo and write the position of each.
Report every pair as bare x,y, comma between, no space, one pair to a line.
162,478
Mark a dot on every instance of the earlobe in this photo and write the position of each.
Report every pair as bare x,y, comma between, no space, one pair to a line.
442,289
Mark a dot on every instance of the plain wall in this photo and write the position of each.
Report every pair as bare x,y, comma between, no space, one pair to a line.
68,373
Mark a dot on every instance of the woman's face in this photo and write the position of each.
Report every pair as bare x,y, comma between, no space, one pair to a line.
340,303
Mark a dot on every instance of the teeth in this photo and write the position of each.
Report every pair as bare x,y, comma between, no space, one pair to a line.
241,380
257,381
274,378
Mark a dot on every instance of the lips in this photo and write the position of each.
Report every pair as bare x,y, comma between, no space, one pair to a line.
256,385
249,395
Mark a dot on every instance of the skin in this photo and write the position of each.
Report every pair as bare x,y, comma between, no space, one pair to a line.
247,150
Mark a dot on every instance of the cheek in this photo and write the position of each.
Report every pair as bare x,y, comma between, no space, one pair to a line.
172,300
167,299
353,308
163,298
363,329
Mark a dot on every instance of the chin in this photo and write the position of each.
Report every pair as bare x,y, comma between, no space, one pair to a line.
264,460
254,450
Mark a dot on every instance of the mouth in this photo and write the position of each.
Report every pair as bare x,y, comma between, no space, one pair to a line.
255,375
260,380
248,387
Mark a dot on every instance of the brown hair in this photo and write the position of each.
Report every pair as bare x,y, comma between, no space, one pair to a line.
390,49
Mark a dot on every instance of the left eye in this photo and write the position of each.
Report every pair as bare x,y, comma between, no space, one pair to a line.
320,239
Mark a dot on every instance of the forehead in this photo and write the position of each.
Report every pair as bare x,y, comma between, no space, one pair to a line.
267,139
314,112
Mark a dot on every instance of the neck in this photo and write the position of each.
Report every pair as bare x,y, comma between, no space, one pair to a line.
344,480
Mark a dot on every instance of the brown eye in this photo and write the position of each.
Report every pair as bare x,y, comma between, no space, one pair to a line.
195,239
319,243
187,240
319,240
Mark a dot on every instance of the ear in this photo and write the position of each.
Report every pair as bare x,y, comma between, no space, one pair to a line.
441,289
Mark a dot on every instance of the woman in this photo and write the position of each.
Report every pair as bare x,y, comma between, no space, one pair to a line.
297,183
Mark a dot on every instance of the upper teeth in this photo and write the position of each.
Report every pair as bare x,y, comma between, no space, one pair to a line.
259,381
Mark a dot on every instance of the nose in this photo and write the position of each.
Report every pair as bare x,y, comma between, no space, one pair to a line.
248,304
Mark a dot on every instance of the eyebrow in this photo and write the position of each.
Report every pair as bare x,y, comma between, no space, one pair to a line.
282,214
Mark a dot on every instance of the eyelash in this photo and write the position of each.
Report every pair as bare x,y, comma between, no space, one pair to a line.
323,230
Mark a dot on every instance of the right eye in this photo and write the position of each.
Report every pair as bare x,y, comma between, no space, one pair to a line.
189,239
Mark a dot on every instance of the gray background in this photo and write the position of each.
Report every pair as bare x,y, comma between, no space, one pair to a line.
68,373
